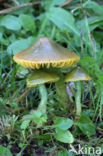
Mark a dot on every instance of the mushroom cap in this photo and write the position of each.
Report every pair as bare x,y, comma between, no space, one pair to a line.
77,74
41,77
45,52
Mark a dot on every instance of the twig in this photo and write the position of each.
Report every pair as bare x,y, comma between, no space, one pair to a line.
6,11
66,3
23,95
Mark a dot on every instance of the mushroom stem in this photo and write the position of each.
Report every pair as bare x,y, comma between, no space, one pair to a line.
78,99
62,94
43,95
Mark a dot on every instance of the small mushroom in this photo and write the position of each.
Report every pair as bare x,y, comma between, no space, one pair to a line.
77,74
40,77
45,53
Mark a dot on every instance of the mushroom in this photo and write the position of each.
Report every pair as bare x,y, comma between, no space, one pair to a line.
77,74
45,53
40,77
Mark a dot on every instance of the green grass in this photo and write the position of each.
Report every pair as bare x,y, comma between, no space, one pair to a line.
77,26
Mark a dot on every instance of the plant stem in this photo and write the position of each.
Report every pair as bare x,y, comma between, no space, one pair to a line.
62,93
78,99
43,25
43,96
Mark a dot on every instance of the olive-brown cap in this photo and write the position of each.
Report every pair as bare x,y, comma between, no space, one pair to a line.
41,77
45,52
77,74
